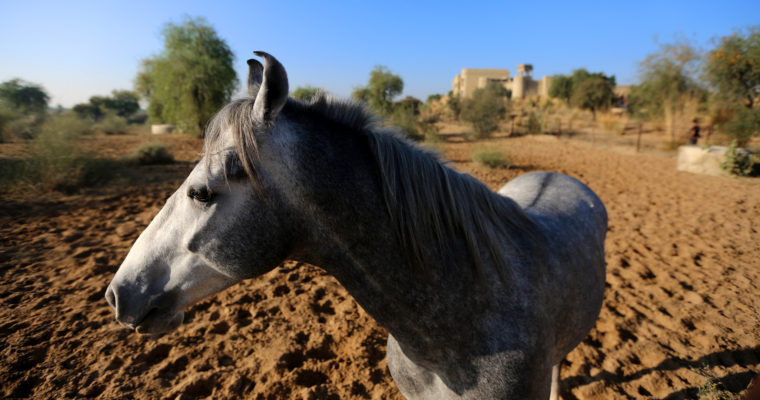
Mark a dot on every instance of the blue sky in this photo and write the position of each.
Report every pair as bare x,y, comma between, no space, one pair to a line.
77,49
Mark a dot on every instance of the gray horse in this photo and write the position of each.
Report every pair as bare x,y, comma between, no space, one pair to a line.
481,294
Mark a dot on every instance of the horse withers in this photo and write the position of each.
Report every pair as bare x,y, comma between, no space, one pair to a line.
481,293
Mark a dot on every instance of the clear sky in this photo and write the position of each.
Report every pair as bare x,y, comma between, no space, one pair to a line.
77,49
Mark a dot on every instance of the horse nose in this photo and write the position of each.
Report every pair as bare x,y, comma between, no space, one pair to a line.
111,297
118,298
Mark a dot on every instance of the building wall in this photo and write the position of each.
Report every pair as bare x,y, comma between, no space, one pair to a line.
521,86
471,79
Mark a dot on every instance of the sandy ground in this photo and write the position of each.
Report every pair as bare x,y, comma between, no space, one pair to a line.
681,305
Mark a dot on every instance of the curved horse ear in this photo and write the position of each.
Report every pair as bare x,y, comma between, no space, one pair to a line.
255,75
273,93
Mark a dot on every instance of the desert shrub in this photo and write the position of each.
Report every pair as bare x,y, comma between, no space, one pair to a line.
112,124
739,162
15,124
535,121
485,109
138,118
405,119
151,153
433,97
742,125
56,162
490,158
305,93
455,106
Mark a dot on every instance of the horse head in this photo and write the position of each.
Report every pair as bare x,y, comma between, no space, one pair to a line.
229,219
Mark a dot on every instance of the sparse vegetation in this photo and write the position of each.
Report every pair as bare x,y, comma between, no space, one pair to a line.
56,162
485,109
23,108
151,153
667,80
122,103
739,162
711,390
305,93
490,158
111,124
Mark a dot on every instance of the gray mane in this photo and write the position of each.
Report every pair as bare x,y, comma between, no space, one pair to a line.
427,201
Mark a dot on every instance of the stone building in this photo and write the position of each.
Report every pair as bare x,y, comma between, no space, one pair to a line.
520,86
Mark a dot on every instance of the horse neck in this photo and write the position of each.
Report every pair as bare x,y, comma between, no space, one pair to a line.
353,237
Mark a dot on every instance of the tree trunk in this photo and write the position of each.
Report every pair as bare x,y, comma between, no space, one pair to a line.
669,122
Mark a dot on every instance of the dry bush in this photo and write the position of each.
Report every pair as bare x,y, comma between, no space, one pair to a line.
490,158
112,124
55,161
151,153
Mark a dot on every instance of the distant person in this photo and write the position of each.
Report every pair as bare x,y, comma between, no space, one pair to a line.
694,132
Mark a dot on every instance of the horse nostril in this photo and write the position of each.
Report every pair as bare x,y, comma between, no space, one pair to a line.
111,297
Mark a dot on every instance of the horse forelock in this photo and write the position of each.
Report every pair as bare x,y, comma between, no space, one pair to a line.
426,200
237,119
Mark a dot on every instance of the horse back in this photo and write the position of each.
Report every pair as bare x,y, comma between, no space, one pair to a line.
573,222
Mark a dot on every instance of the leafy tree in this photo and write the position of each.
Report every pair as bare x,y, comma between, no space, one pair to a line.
305,93
667,77
88,111
743,124
383,86
433,97
23,97
121,102
561,87
191,78
485,109
411,103
564,86
455,105
734,66
593,94
23,108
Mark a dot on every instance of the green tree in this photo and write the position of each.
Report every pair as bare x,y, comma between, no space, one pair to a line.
305,93
191,78
666,79
23,97
561,87
485,109
383,86
123,103
594,93
433,97
23,108
734,66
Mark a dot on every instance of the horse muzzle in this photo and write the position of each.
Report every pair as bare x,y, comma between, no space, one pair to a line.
141,312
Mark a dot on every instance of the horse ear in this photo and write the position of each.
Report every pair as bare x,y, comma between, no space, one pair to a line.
255,75
273,93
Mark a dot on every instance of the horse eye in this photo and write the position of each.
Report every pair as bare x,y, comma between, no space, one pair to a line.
202,195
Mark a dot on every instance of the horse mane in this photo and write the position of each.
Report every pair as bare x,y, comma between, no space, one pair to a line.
426,200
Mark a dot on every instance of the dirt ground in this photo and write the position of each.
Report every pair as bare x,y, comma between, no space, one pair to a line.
681,313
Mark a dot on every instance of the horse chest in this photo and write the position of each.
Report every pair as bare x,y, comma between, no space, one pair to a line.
511,374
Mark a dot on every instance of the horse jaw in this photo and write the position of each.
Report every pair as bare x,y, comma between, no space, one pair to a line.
158,278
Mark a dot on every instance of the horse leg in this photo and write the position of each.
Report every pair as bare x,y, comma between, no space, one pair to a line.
555,383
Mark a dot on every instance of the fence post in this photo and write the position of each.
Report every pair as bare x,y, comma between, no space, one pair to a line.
638,139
